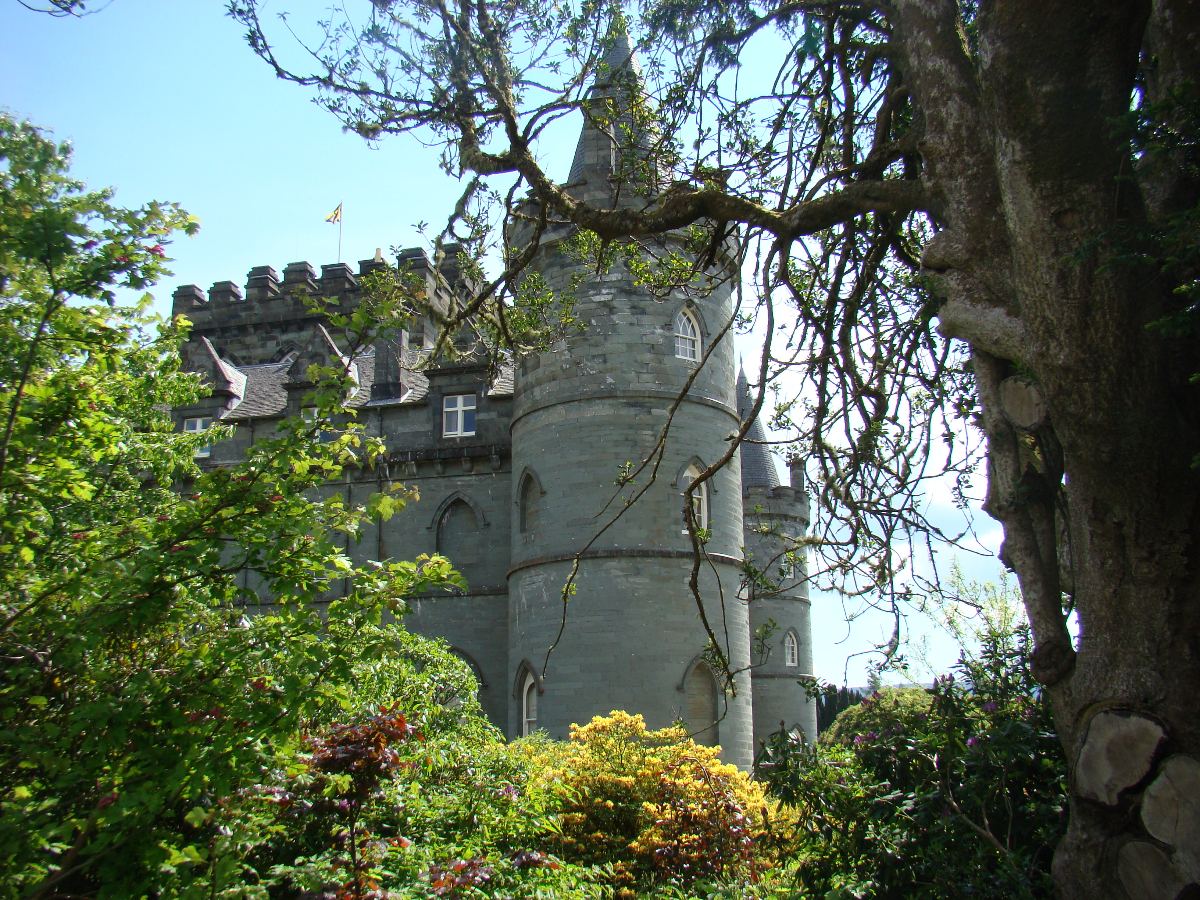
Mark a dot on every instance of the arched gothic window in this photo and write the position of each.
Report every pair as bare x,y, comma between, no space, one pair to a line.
791,649
529,698
458,539
700,705
527,503
473,666
699,498
687,335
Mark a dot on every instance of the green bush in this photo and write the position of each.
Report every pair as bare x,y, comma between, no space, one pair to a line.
877,714
420,801
140,703
955,792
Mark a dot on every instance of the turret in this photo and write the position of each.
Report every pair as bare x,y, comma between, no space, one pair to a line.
776,585
582,411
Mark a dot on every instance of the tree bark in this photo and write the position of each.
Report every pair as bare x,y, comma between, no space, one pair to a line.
1031,182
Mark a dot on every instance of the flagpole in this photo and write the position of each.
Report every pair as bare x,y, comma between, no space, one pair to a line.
336,217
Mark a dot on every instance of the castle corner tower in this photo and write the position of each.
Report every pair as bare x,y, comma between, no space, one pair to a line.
776,518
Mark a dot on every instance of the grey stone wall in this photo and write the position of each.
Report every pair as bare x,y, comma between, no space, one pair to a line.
267,319
631,638
259,326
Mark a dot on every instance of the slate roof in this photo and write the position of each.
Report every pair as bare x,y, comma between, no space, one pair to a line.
502,386
758,466
226,377
264,395
366,377
265,391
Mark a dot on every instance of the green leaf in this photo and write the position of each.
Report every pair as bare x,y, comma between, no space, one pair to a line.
197,817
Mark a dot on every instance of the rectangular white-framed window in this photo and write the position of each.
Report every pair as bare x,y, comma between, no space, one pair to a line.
311,415
198,425
458,415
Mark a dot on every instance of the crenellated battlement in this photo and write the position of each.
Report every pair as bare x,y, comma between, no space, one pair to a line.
264,284
256,322
266,291
784,500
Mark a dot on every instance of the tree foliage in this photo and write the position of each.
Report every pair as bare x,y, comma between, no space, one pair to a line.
956,791
138,692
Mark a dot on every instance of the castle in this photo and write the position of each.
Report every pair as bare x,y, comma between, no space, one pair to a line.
515,469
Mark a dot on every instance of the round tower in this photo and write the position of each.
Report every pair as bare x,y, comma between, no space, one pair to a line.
583,412
776,519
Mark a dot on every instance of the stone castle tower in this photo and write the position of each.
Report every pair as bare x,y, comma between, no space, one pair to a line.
515,473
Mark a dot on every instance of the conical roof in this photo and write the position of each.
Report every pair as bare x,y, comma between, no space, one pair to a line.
758,466
620,55
597,155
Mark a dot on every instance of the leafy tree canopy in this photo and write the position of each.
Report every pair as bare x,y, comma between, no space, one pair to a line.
137,687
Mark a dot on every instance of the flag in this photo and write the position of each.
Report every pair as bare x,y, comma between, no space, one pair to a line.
335,216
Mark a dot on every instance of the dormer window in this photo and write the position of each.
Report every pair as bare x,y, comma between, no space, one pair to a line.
458,415
198,425
687,336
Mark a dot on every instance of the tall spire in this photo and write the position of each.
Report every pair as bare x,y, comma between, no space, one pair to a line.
758,467
597,155
621,54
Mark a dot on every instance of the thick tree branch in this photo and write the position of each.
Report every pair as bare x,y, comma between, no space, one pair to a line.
1023,499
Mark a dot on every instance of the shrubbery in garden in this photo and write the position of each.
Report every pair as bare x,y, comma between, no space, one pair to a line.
881,711
430,804
958,791
653,805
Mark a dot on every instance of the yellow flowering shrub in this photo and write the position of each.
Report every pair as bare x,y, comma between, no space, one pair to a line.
654,805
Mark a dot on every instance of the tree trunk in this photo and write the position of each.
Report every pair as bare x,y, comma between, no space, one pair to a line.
1098,496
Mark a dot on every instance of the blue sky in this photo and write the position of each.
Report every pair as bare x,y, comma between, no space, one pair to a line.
162,99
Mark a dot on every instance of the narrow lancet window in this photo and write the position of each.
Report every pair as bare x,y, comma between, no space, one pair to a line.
529,712
700,699
527,504
699,499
